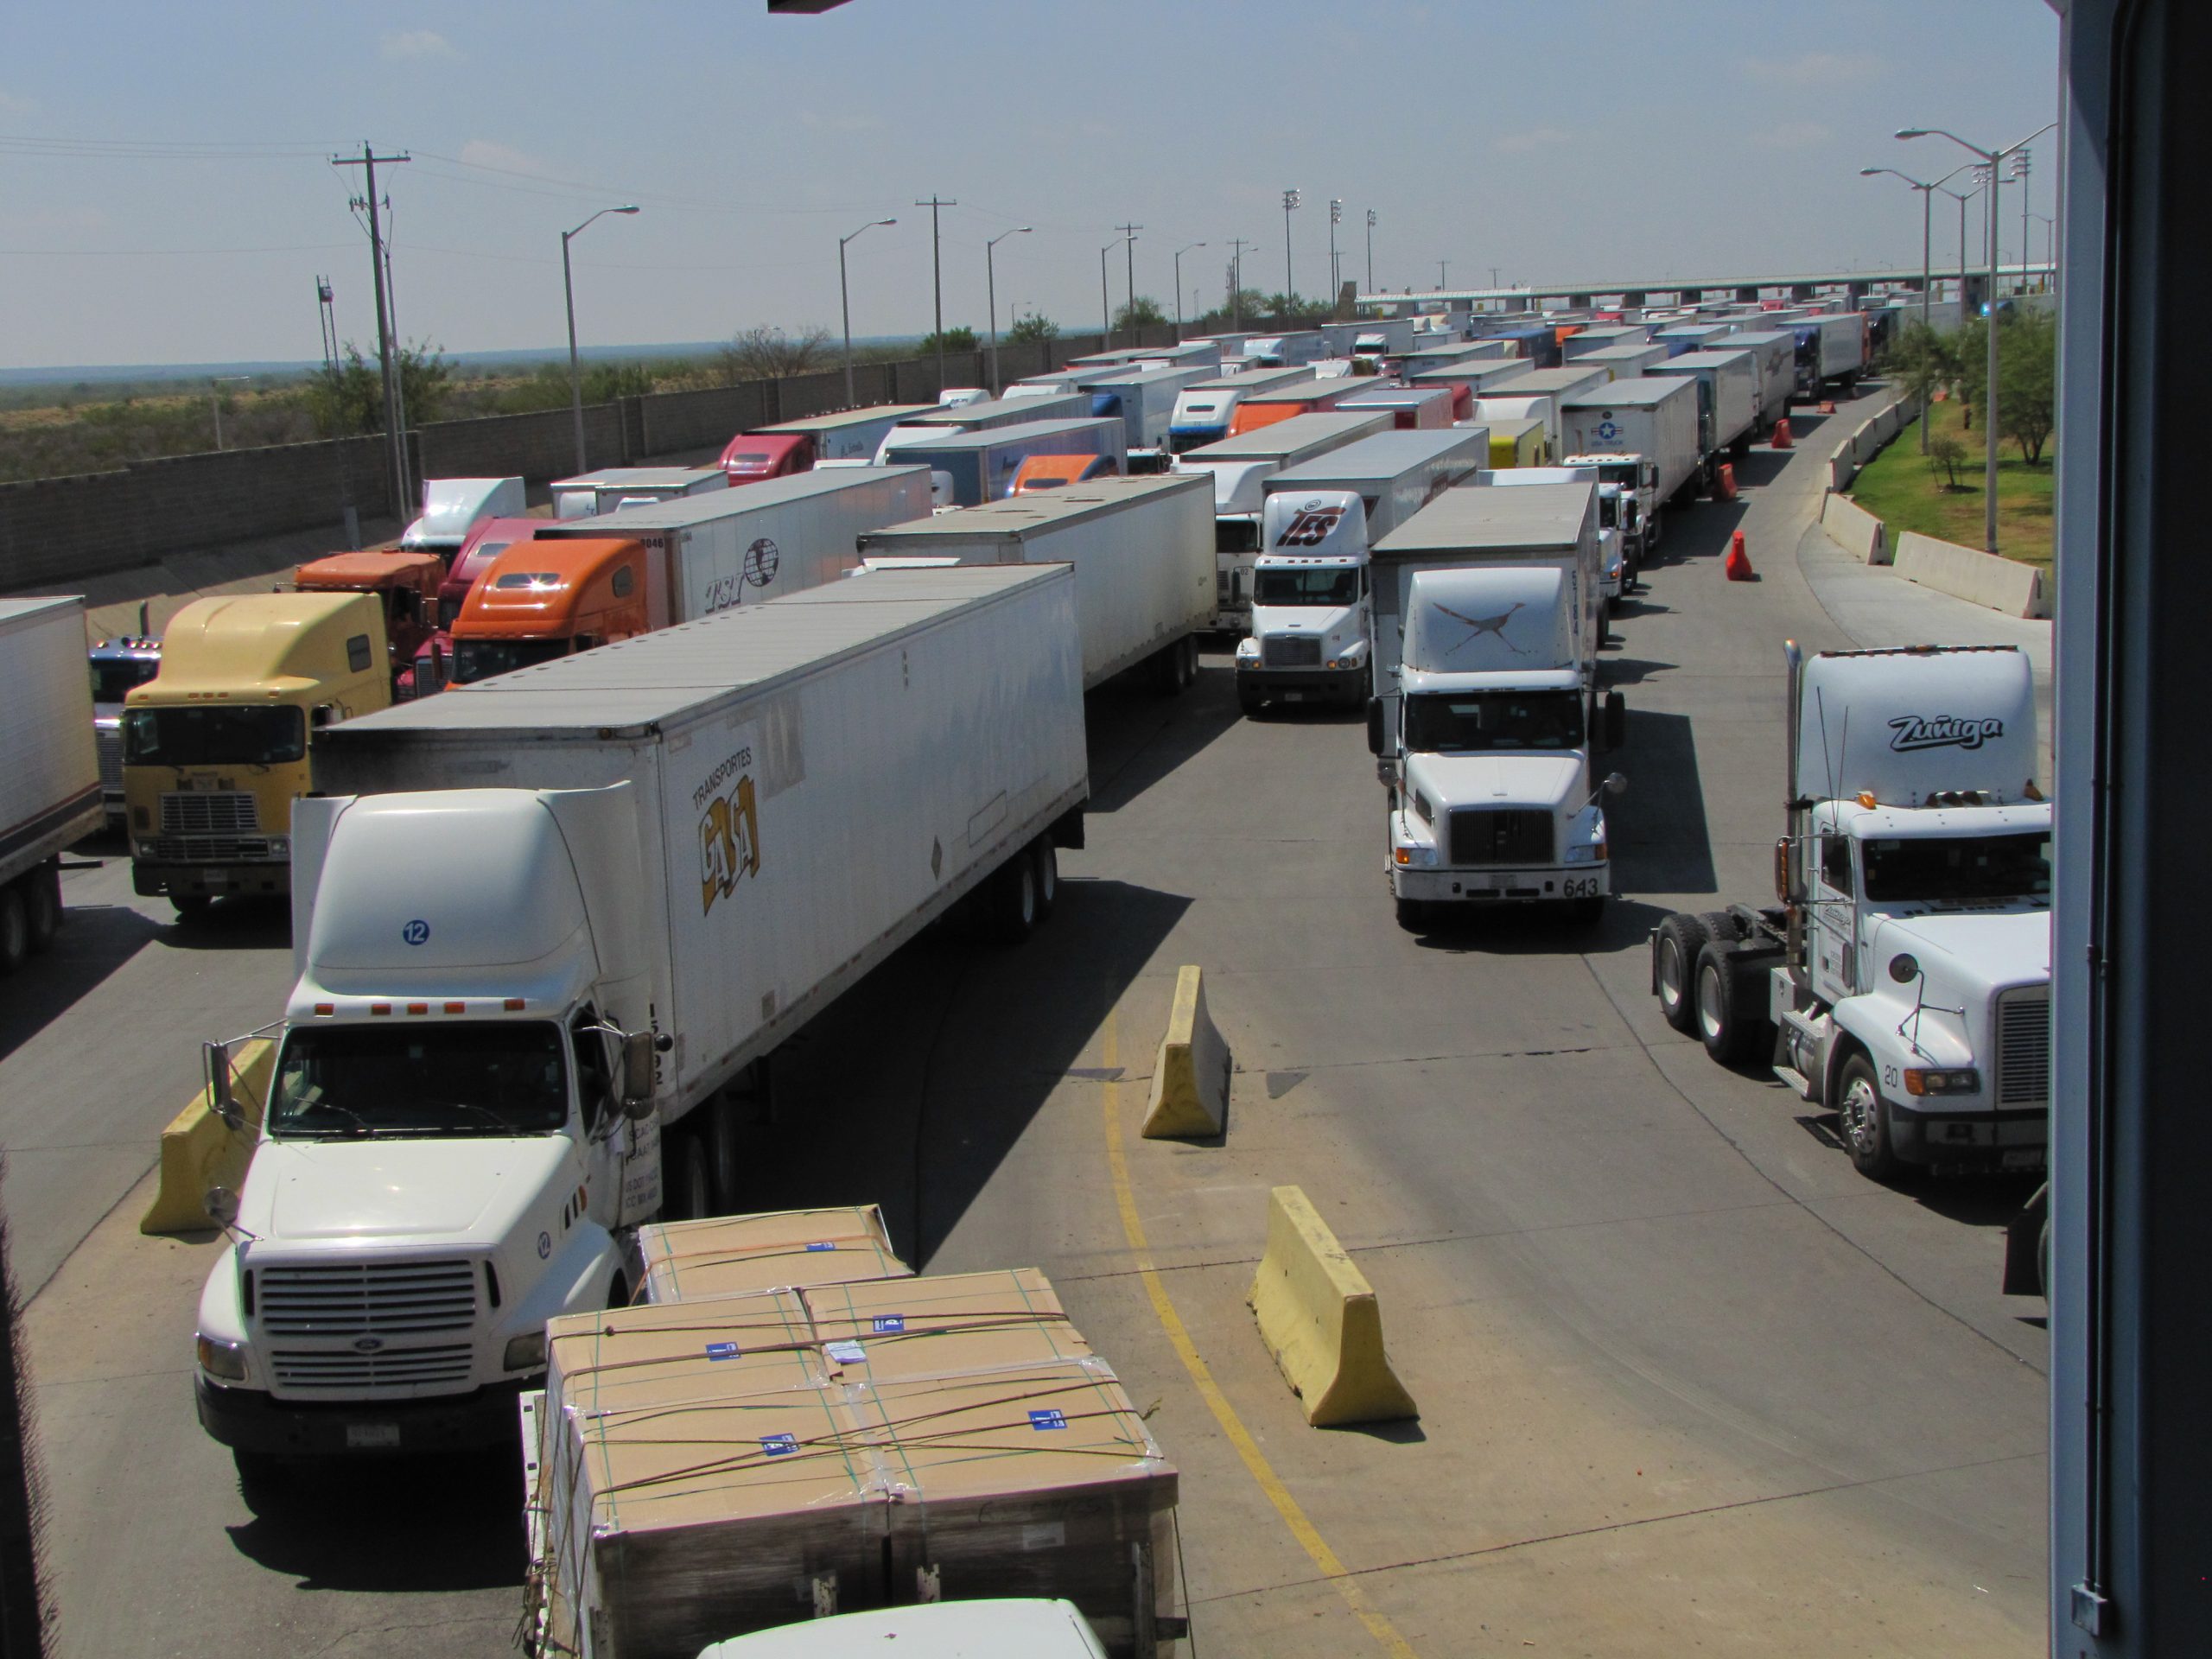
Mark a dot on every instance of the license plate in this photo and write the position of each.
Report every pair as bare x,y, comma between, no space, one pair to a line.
373,1437
1293,696
2021,1158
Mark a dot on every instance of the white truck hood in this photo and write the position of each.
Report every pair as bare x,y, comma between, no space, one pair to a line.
1977,951
1328,624
451,1190
1507,778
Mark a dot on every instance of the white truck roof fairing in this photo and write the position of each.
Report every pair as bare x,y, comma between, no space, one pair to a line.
1912,723
451,507
1313,527
1505,618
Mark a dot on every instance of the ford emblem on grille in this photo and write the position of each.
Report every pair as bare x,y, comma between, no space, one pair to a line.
367,1345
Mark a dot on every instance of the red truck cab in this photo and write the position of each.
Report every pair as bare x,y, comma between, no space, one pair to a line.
432,665
752,457
406,583
542,600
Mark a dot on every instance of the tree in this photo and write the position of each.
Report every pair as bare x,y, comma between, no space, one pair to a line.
1924,362
349,400
953,339
1143,312
1034,329
770,354
2027,376
1946,454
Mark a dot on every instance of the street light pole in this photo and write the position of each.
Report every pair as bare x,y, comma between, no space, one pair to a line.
991,284
1927,207
1336,278
1236,286
1991,158
1370,250
845,304
1290,202
936,280
1179,252
569,292
1105,302
2020,172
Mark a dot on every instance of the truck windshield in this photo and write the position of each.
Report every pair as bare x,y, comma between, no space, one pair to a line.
1609,512
479,660
1617,472
474,1077
1307,585
112,680
215,735
1235,535
1444,723
1960,869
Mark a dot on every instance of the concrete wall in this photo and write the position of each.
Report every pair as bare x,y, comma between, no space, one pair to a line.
59,531
2002,584
1854,529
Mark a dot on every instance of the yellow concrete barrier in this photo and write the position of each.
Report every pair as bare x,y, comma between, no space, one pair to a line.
199,1150
1319,1317
1190,1078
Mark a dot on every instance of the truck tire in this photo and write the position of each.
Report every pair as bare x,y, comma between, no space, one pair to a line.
191,907
1048,876
684,1181
15,929
1863,1119
1012,907
721,1149
1413,915
265,1479
1730,1034
42,904
1586,912
1673,969
1722,924
1249,700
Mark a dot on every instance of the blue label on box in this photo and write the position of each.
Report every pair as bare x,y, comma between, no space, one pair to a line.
779,1445
890,1325
722,1350
1041,1420
812,1248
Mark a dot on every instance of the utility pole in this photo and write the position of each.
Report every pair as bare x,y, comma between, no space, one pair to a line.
1290,203
1129,235
937,277
1443,268
1237,285
1370,250
1336,275
1179,252
394,442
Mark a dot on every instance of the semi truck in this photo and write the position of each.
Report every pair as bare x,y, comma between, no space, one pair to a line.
590,495
219,745
52,797
579,586
1256,410
1145,402
405,584
1240,467
946,420
786,447
1143,550
116,664
1831,354
1537,393
1204,409
1615,504
454,506
543,930
1285,351
969,468
1902,976
1486,713
1625,362
1311,628
1774,357
1728,404
1650,423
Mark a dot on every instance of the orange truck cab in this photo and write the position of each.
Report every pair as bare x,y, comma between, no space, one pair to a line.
1055,472
751,456
1308,398
541,599
406,582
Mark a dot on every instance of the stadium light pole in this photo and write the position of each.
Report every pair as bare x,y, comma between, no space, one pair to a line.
1179,252
845,302
1291,201
991,287
568,289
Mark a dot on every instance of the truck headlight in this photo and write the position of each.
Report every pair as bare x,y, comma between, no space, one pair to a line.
1352,656
1962,1080
1248,650
224,1361
524,1353
280,846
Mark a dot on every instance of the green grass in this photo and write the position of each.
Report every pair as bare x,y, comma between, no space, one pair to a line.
1898,488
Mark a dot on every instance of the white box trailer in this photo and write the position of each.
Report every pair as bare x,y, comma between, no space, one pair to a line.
984,414
1831,352
1654,416
969,468
1478,372
541,925
1774,353
1143,550
1625,362
1599,337
1205,408
611,488
1432,354
1537,393
850,435
1730,401
725,548
49,766
1145,401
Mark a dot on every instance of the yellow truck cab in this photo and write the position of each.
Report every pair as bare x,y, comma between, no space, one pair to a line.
1518,442
217,745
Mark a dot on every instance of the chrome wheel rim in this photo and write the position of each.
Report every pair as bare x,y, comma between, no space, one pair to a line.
1858,1111
1670,976
1708,1003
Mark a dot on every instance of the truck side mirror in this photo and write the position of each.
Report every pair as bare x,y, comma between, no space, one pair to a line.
1616,728
322,715
1374,725
638,1048
1616,784
222,1206
216,1058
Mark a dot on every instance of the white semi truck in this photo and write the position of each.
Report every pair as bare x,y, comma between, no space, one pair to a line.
454,506
1486,710
1142,548
1642,432
1831,354
1311,628
49,768
612,488
1241,466
1903,976
1614,572
542,929
1204,409
1775,352
1728,410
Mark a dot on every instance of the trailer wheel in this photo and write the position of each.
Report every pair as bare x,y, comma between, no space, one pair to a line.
15,929
1729,1036
1014,900
1048,876
1864,1117
1674,967
42,904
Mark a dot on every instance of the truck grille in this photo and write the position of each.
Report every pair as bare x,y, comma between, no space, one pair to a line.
1290,651
2024,1047
403,1368
378,1299
110,742
185,812
1494,835
206,849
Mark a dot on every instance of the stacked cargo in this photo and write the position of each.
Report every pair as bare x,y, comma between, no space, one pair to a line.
735,1256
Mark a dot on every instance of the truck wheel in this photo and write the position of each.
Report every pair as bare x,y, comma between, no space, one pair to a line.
191,906
618,1292
1249,700
1864,1117
1014,900
686,1193
42,904
1586,912
1720,924
1048,875
263,1480
15,929
721,1149
1728,1036
1189,660
1413,915
1674,967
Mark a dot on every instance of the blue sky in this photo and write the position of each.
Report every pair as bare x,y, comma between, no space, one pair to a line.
1612,137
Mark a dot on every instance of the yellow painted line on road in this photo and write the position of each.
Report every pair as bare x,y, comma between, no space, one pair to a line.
1293,1515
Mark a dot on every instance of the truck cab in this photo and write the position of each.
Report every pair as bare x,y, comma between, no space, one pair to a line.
1635,482
218,745
1310,629
452,507
1056,471
752,457
548,598
406,584
117,665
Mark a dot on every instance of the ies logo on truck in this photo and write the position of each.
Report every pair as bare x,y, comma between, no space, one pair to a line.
729,828
1910,732
1309,526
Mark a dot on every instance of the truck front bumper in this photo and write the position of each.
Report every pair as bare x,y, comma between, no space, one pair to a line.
150,879
1303,684
248,1420
1501,887
1971,1141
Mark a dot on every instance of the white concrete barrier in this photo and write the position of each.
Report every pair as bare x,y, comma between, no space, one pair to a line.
2002,584
1854,529
1843,467
1866,443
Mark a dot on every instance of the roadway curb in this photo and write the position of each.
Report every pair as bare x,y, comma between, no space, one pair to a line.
1319,1319
200,1151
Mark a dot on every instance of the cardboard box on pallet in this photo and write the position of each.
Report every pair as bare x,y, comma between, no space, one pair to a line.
720,1467
735,1256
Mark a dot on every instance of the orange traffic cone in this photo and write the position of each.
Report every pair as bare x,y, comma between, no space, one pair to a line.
1828,406
1738,567
1781,440
1724,483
